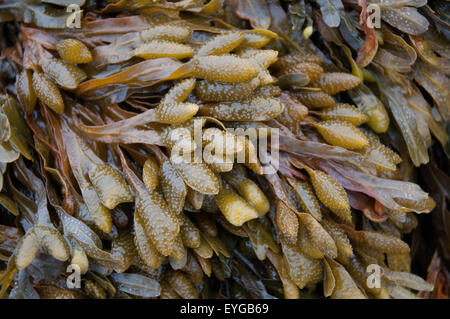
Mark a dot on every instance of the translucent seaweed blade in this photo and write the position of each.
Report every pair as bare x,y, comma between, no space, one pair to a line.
394,95
330,11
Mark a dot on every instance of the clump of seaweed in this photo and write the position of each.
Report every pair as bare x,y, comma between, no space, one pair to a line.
93,121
